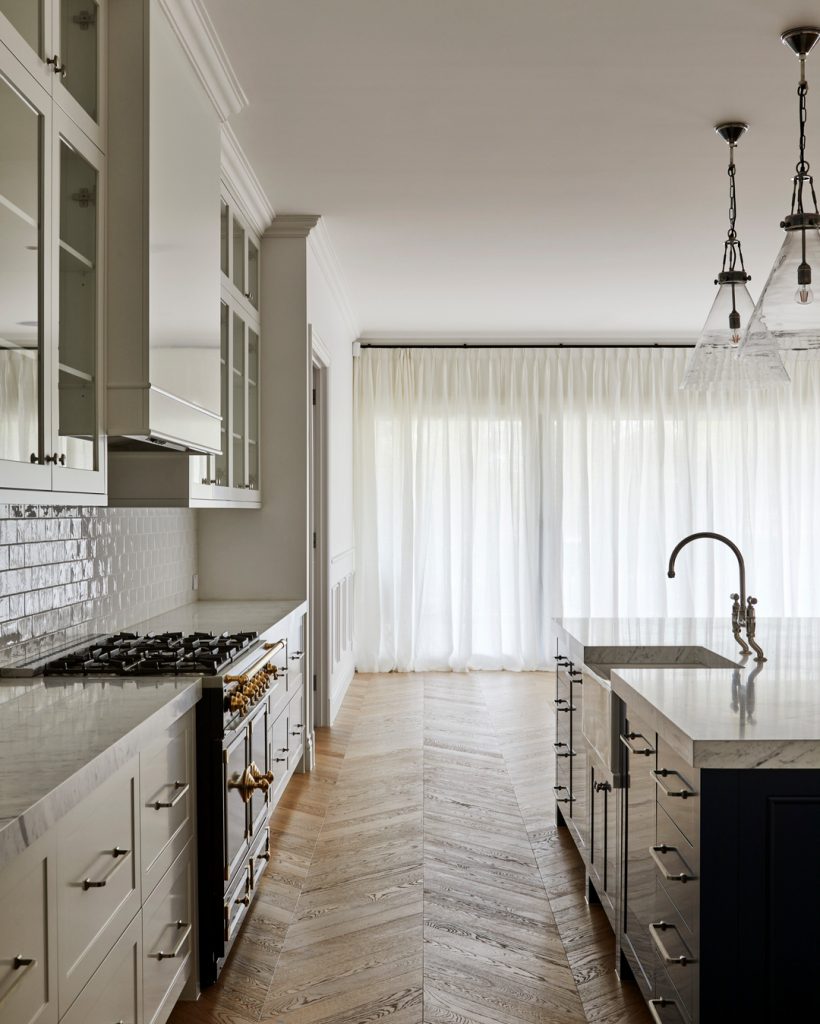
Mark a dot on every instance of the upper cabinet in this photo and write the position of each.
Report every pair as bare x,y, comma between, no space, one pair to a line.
61,43
164,346
52,189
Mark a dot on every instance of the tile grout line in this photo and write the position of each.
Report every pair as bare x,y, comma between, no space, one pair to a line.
502,749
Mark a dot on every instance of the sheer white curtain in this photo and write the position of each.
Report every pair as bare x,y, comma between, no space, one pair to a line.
495,489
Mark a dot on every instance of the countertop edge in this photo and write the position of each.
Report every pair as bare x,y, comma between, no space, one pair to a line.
20,832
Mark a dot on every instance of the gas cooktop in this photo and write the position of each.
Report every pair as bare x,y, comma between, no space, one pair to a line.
152,654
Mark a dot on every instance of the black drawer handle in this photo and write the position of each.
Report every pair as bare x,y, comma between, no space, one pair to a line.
569,753
602,787
636,736
656,852
662,773
677,961
569,707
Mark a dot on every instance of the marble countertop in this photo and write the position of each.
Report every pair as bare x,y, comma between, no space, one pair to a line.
743,715
60,738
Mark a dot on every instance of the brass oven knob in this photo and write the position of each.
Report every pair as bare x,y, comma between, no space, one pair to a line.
260,776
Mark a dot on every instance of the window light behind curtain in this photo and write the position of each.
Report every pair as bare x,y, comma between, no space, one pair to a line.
497,489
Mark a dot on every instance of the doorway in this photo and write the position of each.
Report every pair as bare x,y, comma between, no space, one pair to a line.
319,605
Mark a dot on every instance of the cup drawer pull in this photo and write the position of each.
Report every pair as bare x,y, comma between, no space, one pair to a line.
186,931
181,788
625,739
116,853
19,963
678,961
656,852
663,773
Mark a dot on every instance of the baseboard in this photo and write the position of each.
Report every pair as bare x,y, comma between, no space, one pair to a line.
343,681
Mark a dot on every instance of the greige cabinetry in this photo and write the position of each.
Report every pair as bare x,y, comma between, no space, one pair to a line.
98,915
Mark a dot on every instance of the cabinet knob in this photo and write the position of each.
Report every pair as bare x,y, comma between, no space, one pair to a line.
35,459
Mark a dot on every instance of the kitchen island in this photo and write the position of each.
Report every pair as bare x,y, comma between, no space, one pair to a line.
689,778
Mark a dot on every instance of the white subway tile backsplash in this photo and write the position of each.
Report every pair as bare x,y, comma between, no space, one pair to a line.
67,571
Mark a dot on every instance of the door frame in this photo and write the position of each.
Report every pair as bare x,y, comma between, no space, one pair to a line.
319,598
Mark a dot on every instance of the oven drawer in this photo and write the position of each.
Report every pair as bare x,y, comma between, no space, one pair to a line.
98,877
115,992
167,798
167,938
234,807
296,729
236,904
259,857
28,967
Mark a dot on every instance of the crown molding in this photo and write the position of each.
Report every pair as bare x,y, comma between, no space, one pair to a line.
204,49
322,248
292,225
241,179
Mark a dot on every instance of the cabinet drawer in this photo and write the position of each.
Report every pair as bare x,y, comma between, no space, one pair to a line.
678,869
677,785
296,729
167,937
167,798
98,878
278,745
28,969
114,993
672,941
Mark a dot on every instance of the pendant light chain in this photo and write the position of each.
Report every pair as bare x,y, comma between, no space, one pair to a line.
732,250
802,168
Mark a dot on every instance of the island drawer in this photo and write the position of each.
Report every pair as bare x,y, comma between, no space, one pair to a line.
675,949
168,937
98,877
677,863
28,968
167,798
114,993
677,786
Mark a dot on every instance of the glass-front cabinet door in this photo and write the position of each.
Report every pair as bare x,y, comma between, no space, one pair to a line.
25,274
233,476
62,44
76,321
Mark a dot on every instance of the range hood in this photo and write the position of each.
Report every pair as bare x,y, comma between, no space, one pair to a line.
163,284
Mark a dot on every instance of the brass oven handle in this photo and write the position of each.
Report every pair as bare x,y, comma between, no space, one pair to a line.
663,849
270,650
662,1003
176,950
666,956
251,779
661,773
18,962
634,736
181,787
117,852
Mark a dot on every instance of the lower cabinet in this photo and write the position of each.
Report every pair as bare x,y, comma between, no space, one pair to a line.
603,836
28,960
85,936
168,938
114,993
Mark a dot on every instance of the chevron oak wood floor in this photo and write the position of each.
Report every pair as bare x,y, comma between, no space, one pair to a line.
417,875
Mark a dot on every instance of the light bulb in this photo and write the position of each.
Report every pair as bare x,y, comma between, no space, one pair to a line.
804,295
735,338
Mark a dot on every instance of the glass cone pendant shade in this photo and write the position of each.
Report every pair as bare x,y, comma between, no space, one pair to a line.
714,362
789,311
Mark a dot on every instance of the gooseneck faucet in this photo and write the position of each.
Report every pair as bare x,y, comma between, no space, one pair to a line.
743,611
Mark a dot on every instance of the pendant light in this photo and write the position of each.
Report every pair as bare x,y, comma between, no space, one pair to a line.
714,361
786,309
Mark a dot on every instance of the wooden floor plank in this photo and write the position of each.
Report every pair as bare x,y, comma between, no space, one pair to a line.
417,875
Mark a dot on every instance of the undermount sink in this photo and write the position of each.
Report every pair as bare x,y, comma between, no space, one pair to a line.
653,657
599,717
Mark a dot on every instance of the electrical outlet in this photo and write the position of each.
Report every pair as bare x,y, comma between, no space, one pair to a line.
195,581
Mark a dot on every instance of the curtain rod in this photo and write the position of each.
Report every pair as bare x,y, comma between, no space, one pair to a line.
524,344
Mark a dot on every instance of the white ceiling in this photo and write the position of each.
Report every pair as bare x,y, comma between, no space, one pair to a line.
523,167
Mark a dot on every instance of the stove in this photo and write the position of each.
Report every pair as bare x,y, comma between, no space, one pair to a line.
152,654
243,755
